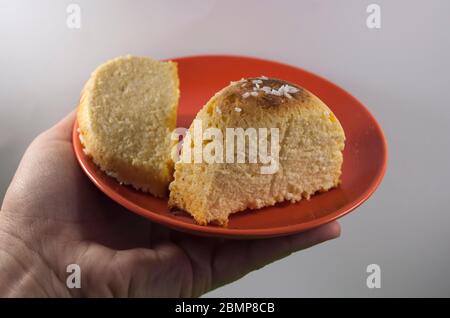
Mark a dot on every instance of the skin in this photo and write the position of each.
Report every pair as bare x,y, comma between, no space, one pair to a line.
52,216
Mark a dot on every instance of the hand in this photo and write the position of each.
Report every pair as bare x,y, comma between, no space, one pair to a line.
52,216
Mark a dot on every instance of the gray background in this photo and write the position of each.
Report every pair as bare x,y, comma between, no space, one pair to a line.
401,72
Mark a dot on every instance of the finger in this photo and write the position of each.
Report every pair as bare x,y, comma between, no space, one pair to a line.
235,259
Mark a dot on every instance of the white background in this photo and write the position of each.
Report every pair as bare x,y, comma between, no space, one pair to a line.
401,72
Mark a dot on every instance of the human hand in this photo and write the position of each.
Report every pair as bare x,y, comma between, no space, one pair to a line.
52,216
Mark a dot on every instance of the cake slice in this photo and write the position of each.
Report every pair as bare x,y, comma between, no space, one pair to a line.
310,142
126,114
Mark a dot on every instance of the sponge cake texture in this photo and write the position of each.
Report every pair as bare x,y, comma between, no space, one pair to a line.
126,114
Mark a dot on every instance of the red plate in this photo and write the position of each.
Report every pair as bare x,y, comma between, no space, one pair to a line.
365,154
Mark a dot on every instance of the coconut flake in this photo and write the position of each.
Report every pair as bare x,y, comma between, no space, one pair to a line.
275,92
266,89
237,109
218,110
284,90
291,89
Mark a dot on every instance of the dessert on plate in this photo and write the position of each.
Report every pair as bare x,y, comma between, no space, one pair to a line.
310,143
261,141
126,114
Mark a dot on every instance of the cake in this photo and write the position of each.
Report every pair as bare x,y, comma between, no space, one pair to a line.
310,142
126,114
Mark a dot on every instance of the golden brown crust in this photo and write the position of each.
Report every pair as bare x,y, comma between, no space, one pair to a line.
234,94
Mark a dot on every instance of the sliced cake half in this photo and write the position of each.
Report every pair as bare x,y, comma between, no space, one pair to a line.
309,138
126,114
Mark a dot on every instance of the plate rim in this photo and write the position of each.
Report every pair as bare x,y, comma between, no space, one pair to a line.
212,230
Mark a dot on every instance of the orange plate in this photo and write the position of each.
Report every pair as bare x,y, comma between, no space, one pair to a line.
365,154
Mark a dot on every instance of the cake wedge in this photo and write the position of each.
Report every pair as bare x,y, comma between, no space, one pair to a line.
126,114
307,137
